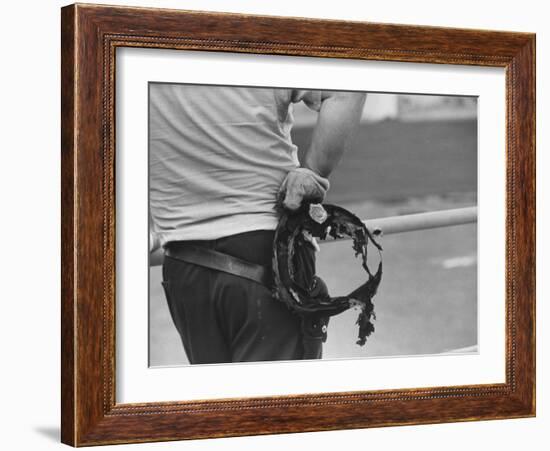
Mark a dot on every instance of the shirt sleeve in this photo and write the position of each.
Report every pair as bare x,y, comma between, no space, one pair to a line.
312,99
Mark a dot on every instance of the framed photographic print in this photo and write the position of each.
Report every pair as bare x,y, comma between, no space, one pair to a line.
284,224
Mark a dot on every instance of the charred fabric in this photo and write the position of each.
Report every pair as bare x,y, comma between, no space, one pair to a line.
313,303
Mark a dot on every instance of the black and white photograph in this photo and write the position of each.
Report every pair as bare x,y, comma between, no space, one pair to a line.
267,226
288,223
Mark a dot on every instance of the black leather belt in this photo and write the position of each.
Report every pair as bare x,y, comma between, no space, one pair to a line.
219,261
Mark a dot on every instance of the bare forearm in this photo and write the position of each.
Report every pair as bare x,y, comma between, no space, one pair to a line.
337,122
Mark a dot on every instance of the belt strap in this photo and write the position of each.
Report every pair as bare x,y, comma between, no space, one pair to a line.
219,261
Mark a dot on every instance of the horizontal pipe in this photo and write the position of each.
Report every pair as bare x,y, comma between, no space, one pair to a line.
422,221
394,224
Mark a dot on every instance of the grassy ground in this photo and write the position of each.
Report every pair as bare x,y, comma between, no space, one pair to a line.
427,301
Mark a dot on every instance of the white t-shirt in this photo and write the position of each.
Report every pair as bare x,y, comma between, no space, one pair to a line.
217,157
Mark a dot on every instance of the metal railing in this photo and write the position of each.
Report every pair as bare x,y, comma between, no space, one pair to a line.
422,221
396,224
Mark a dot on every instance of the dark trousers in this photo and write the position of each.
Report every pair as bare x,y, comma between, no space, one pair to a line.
226,318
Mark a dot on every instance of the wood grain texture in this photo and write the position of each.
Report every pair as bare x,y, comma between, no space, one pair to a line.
90,36
67,225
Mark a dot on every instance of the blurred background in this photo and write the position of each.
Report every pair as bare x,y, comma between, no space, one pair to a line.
412,154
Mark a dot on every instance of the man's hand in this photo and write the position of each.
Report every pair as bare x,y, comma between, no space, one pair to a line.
154,242
338,120
302,184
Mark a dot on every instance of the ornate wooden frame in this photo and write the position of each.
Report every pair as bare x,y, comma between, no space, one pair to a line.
90,35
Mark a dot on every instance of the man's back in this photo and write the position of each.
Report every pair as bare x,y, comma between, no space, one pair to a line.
218,156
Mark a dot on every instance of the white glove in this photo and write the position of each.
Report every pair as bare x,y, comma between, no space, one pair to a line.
302,184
